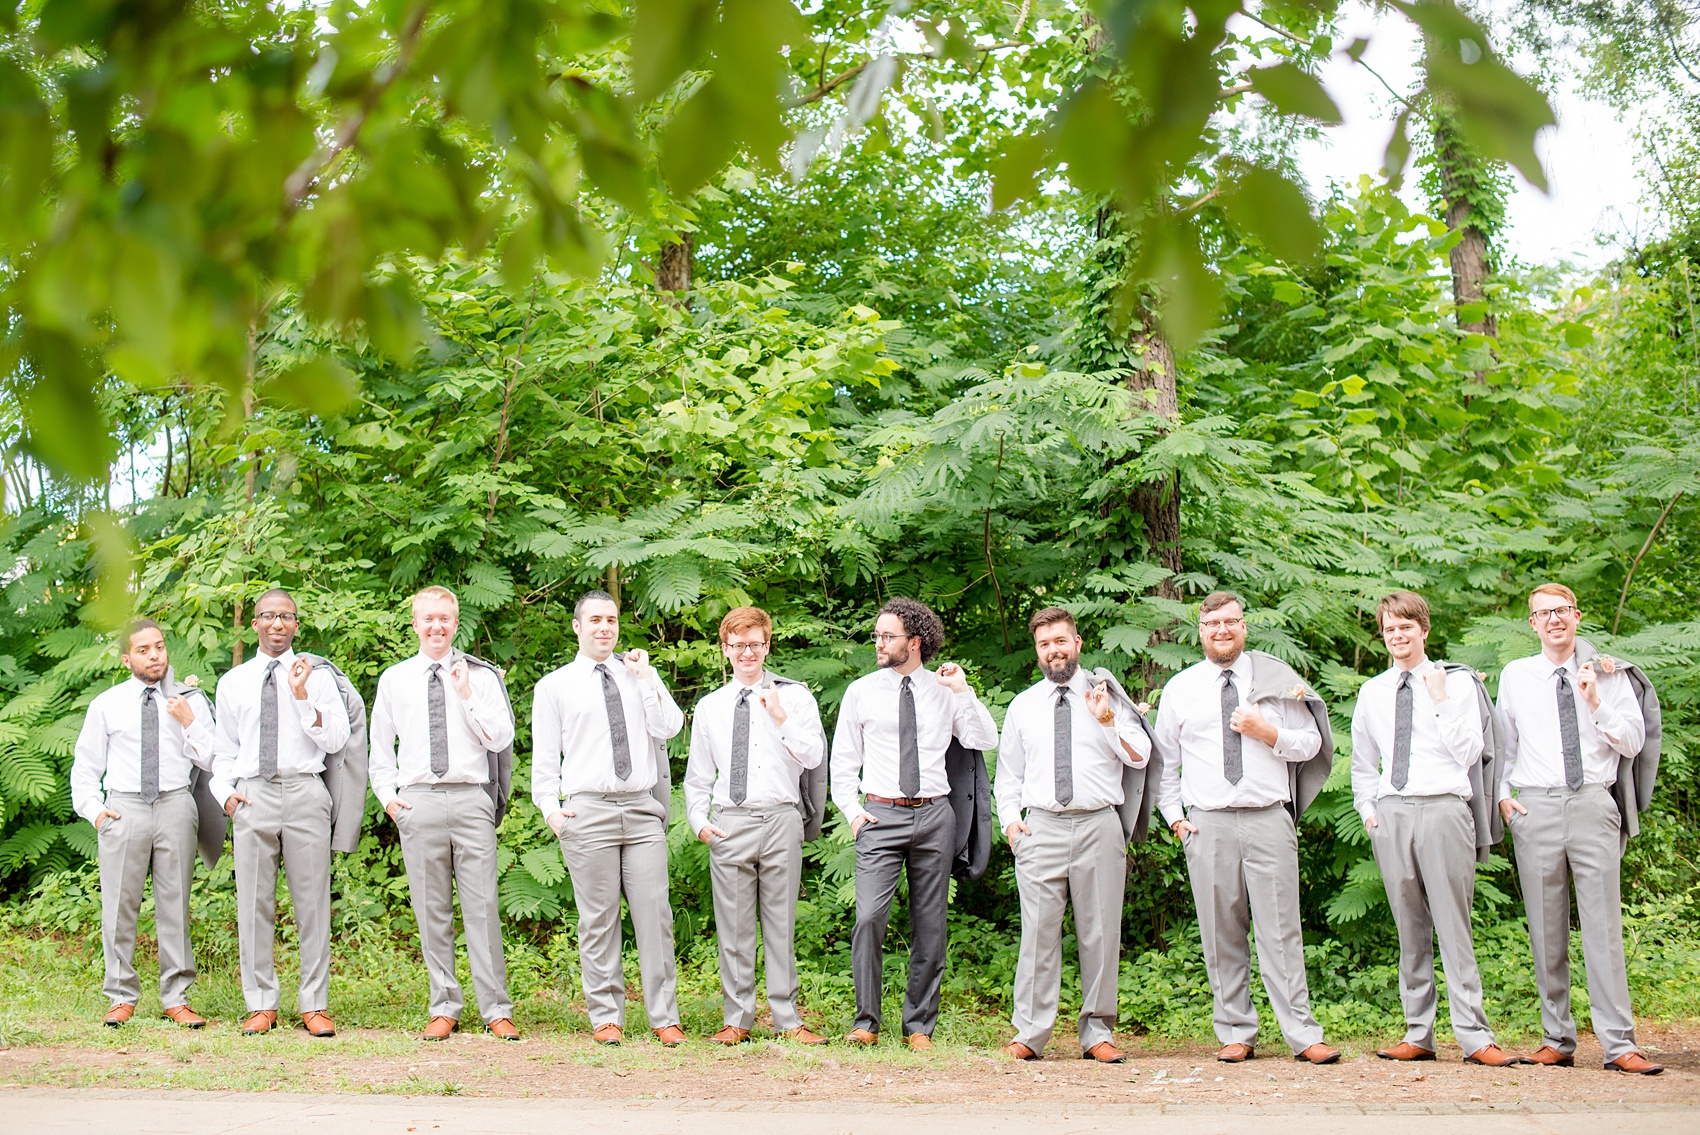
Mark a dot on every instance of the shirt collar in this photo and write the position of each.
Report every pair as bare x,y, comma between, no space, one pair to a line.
137,685
262,659
1241,670
426,661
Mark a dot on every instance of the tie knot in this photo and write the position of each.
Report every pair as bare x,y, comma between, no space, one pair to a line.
1062,693
1404,678
1227,677
435,666
273,665
602,669
147,693
906,682
1561,674
744,695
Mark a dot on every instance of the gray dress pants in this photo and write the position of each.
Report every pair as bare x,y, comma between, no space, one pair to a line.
448,842
1426,849
1574,836
157,838
614,844
756,868
287,819
1078,857
923,840
1244,865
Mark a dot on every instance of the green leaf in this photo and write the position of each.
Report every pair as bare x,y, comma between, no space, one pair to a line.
321,386
696,142
114,554
1292,90
1276,212
1398,154
1013,171
65,426
667,37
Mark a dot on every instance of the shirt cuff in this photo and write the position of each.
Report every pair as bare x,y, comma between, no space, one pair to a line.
1172,812
386,796
698,819
308,711
1608,721
221,789
92,808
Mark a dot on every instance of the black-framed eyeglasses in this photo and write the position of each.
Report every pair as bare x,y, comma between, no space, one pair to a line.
1552,613
745,647
284,617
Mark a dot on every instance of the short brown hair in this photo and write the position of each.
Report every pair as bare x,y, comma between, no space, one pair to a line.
1045,616
136,627
741,619
1216,600
1403,605
436,591
1557,589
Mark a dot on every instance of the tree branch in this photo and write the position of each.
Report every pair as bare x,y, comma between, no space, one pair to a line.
827,86
306,175
1628,579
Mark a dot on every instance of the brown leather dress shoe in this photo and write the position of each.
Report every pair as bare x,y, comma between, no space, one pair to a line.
1551,1057
185,1016
918,1042
670,1035
119,1014
1104,1053
801,1035
439,1028
318,1023
731,1035
609,1034
260,1021
502,1028
1235,1053
1015,1050
1318,1053
1635,1063
867,1038
1405,1050
1493,1056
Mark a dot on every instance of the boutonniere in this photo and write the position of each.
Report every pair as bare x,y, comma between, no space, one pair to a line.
193,681
1607,664
1481,675
1143,708
1298,692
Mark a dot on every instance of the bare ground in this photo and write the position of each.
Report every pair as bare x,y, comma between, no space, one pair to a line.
149,1054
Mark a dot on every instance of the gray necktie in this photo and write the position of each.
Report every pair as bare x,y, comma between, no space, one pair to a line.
1233,760
616,724
268,722
741,748
908,744
150,746
437,709
1062,764
1569,733
1403,702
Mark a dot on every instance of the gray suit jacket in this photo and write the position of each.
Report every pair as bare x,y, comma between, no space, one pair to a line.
1139,785
1484,774
812,785
346,770
500,784
214,824
1273,678
1637,774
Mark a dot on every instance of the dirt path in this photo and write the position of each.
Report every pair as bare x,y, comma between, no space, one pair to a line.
560,1065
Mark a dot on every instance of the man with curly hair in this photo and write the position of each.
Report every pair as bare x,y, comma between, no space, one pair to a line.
889,781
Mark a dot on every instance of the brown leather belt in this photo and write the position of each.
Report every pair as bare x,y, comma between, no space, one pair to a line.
902,801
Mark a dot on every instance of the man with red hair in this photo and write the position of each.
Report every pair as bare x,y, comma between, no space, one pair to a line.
754,743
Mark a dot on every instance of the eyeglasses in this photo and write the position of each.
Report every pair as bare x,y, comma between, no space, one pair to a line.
745,647
1221,624
284,617
1551,613
883,637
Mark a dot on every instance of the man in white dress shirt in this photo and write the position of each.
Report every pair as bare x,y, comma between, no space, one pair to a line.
1061,755
130,778
277,718
1416,733
1227,742
751,742
599,727
894,727
436,720
1567,726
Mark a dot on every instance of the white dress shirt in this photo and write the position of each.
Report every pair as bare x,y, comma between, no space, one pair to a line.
1189,731
1534,752
572,748
1446,738
109,748
401,726
301,745
1027,752
778,757
865,753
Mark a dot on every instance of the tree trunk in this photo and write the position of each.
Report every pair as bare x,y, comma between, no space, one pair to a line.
1465,177
1152,368
674,264
1469,269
